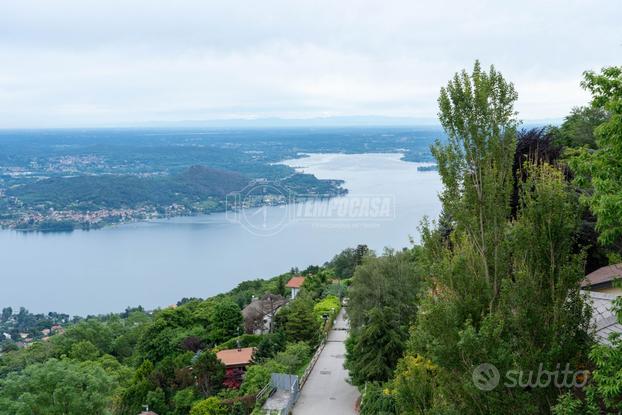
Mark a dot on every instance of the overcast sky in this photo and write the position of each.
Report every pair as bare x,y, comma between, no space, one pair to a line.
120,62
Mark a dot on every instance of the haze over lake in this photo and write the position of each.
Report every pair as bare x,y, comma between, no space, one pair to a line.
157,263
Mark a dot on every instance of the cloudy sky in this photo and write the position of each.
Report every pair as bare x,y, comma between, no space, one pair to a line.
123,62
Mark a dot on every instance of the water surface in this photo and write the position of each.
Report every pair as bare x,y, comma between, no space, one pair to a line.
157,263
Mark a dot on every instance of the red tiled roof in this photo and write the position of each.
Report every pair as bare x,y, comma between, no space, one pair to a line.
236,357
295,282
603,275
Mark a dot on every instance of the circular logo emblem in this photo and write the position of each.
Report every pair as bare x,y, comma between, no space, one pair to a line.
486,377
262,208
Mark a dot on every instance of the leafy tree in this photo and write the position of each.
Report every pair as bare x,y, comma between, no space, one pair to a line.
314,285
99,333
281,288
209,406
8,346
311,270
226,320
360,252
478,116
209,373
164,335
269,346
192,343
134,396
256,377
184,400
391,280
156,400
347,260
119,372
602,168
294,357
577,130
7,312
57,387
84,350
39,352
539,318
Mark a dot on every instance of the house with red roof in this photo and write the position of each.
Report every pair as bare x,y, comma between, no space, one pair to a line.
236,361
295,283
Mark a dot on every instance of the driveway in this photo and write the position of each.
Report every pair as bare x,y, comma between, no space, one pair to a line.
326,391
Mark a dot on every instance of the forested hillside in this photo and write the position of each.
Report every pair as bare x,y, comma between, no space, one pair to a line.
166,359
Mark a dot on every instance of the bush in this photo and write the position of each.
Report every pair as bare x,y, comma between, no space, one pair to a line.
329,305
414,382
269,346
257,376
377,401
209,406
295,357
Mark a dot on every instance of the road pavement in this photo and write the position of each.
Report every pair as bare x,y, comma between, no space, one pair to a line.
327,392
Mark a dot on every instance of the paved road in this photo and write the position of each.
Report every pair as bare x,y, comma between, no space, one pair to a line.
326,391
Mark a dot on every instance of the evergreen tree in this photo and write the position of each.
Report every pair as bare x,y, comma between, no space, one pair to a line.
374,349
301,324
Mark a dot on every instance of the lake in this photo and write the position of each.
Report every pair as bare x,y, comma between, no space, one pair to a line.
157,263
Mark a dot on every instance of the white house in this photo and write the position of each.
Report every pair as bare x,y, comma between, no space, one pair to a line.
295,284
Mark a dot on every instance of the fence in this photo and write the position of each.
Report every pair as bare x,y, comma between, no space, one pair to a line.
264,393
314,359
292,383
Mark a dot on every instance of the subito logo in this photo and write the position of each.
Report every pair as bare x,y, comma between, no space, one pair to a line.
486,377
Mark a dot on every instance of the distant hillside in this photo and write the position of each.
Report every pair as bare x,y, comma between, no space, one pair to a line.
128,191
192,186
210,182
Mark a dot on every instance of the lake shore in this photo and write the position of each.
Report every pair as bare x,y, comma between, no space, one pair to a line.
158,262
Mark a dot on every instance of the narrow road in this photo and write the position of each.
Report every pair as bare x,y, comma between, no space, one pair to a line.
326,391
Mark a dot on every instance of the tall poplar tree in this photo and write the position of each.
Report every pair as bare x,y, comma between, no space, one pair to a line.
478,116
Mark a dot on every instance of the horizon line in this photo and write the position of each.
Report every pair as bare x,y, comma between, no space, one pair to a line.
369,121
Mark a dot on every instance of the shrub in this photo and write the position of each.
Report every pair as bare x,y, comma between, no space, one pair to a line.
209,406
329,305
